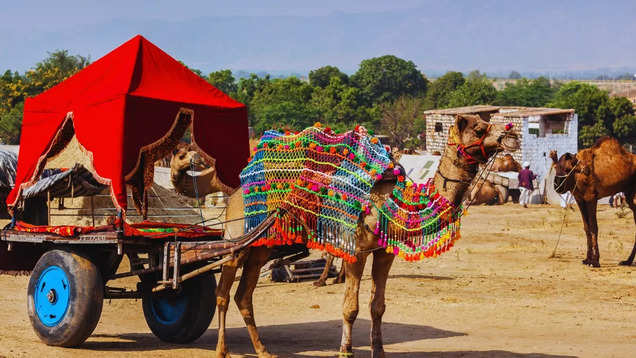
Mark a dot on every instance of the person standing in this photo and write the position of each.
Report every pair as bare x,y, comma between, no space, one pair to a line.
526,176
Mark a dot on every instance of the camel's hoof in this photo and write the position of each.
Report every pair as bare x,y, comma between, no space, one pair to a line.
338,280
625,263
319,283
587,262
377,353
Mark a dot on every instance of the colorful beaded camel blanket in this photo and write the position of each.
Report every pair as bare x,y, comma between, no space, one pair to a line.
417,222
323,182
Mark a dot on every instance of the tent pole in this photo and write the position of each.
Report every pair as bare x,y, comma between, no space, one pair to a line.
48,206
93,209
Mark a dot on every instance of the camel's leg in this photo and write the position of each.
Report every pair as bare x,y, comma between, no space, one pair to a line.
629,197
341,275
325,273
382,262
257,258
228,273
353,273
593,229
584,215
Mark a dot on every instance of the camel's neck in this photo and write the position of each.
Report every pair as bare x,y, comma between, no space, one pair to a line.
454,168
206,182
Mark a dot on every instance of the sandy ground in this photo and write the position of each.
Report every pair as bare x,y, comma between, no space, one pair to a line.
496,294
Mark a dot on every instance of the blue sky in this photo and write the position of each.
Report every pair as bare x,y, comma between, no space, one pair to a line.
272,35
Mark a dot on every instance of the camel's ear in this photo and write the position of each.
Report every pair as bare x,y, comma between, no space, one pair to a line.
461,122
554,156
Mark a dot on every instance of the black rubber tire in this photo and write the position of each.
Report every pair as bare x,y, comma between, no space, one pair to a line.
86,298
199,301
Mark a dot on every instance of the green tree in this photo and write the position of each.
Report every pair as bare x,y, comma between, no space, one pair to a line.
625,129
284,115
438,93
386,78
587,100
529,93
477,89
281,98
53,70
322,76
11,124
224,81
402,121
339,105
588,134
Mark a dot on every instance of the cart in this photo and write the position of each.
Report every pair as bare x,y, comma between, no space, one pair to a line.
127,110
73,276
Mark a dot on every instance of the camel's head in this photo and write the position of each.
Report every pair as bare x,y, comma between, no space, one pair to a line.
183,158
479,139
564,179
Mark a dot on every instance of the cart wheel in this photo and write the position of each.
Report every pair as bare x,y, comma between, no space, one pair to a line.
65,298
184,315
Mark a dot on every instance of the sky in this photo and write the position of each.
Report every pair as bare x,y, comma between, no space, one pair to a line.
298,36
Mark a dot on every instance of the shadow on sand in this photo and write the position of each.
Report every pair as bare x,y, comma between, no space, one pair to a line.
288,340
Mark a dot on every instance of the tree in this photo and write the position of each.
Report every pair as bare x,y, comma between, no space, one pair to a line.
284,115
514,75
339,105
53,70
224,81
588,134
322,76
388,77
438,92
281,102
11,125
587,100
529,93
625,129
402,121
476,90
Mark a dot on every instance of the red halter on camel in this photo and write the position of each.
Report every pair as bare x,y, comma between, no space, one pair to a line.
462,149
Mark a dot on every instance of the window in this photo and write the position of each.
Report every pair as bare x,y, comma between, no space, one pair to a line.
438,127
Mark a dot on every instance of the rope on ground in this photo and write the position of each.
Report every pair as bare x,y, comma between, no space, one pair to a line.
565,213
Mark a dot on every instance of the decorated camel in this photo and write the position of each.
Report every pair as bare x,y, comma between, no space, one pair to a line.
593,173
373,230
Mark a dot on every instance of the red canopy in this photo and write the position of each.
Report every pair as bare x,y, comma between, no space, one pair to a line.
126,109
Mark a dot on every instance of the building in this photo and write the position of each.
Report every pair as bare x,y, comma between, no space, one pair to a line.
539,129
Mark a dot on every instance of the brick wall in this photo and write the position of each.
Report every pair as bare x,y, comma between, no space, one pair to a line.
436,141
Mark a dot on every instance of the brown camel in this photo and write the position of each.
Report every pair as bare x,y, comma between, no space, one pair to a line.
506,164
485,192
452,179
602,170
207,182
490,193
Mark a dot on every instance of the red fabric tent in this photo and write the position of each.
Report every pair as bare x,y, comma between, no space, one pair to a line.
125,109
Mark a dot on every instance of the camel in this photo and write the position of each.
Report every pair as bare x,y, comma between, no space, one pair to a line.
490,193
506,164
593,173
207,182
453,177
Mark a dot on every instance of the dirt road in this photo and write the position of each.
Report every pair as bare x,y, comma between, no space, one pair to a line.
496,294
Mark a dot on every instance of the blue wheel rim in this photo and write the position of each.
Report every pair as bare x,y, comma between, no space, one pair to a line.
52,296
168,310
